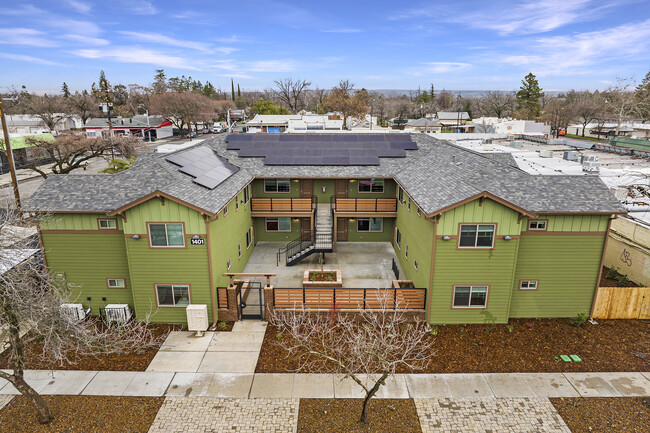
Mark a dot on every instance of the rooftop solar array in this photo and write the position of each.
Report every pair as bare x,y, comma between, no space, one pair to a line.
207,168
321,149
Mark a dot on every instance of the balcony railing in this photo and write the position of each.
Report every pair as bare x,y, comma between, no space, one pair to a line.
365,205
281,204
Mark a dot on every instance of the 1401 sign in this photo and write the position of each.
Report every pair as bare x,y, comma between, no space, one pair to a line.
197,241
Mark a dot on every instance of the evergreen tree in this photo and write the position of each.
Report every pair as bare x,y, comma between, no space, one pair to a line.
528,97
238,91
65,90
159,82
642,96
232,89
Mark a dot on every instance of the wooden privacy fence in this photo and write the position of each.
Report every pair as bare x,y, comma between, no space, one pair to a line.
324,298
366,205
281,205
622,303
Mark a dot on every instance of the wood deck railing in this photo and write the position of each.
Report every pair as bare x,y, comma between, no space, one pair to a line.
365,205
261,204
349,298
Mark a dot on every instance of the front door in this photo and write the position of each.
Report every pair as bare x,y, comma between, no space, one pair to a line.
341,229
306,188
341,188
305,226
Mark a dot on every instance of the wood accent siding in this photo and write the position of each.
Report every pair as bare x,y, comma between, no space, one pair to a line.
622,303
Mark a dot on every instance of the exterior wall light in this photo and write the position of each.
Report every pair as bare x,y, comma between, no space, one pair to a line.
135,237
507,238
196,237
352,180
446,238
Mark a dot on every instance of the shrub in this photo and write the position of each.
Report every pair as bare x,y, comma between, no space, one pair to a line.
611,273
222,325
622,280
579,320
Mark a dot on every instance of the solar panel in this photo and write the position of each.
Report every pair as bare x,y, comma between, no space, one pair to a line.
206,167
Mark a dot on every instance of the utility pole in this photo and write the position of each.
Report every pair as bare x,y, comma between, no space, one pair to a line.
10,158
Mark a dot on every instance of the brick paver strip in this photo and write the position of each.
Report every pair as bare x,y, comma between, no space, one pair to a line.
489,415
211,414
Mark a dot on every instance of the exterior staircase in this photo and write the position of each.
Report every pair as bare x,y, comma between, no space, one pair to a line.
309,243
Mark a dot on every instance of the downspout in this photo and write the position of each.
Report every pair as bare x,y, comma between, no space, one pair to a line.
600,270
212,288
433,254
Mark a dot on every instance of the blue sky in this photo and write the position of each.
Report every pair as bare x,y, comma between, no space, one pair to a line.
461,45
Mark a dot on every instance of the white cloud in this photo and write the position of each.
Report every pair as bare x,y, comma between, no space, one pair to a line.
157,38
24,36
140,7
272,66
342,31
79,6
136,55
86,40
439,68
29,59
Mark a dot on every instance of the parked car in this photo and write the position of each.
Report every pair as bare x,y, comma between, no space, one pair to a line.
193,135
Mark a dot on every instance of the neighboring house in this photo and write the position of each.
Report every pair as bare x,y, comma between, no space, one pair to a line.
486,240
455,121
278,123
607,130
424,125
136,125
510,126
25,153
27,124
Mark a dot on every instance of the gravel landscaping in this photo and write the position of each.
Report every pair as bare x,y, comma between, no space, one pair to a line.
605,415
82,414
522,346
325,415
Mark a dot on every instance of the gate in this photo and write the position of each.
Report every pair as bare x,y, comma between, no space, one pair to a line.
250,301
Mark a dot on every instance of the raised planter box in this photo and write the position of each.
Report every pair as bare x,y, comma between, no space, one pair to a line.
403,284
307,282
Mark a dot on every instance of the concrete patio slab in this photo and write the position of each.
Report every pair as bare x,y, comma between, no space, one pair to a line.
149,384
68,382
427,386
468,385
244,341
592,385
313,386
509,384
230,385
628,384
184,362
348,388
646,374
185,341
109,383
249,326
190,385
395,387
551,385
229,362
37,379
272,386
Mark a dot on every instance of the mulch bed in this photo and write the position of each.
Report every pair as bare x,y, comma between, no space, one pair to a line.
132,361
322,276
82,414
224,326
531,347
618,279
328,415
605,414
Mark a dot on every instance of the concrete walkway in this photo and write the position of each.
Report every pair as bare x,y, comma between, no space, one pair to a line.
250,385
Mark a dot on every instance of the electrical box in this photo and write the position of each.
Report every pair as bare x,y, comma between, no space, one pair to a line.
197,318
546,153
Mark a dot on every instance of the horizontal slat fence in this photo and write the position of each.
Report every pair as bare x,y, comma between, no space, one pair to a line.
222,297
348,298
281,204
622,303
366,205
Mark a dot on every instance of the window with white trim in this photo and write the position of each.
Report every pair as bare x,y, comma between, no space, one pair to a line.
398,238
237,203
225,210
249,237
247,194
476,236
371,185
173,295
228,263
415,264
282,224
166,235
528,285
277,185
370,224
470,296
400,195
107,224
408,206
116,283
537,225
239,249
406,251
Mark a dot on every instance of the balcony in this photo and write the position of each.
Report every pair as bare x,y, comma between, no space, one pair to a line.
287,206
384,206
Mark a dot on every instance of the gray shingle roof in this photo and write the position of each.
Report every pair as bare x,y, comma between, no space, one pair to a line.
436,176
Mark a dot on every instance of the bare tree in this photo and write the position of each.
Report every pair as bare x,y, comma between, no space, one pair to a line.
30,300
72,151
380,343
587,106
291,91
621,101
342,99
498,104
50,109
184,108
83,105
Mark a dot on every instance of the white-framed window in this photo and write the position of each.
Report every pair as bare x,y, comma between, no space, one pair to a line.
408,205
537,224
228,263
371,185
415,264
528,284
107,224
249,237
166,235
237,203
277,185
239,249
370,224
173,295
398,238
406,251
247,194
417,210
400,195
225,210
281,224
115,283
476,236
470,296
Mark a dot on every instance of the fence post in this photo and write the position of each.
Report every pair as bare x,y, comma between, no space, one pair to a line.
395,299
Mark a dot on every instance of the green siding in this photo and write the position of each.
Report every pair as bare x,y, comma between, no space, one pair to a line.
73,221
323,197
389,190
87,260
262,235
384,236
567,268
573,223
155,211
473,212
258,190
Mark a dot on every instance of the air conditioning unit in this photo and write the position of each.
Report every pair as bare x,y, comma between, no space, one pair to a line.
546,154
489,148
591,166
517,144
571,155
197,318
74,311
119,313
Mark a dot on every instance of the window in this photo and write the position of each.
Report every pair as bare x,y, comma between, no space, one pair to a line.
278,224
400,195
528,285
398,238
237,203
408,206
228,263
370,224
239,249
249,237
470,296
417,210
107,224
277,185
115,283
173,295
476,236
537,224
406,251
225,210
247,195
371,185
415,264
166,235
